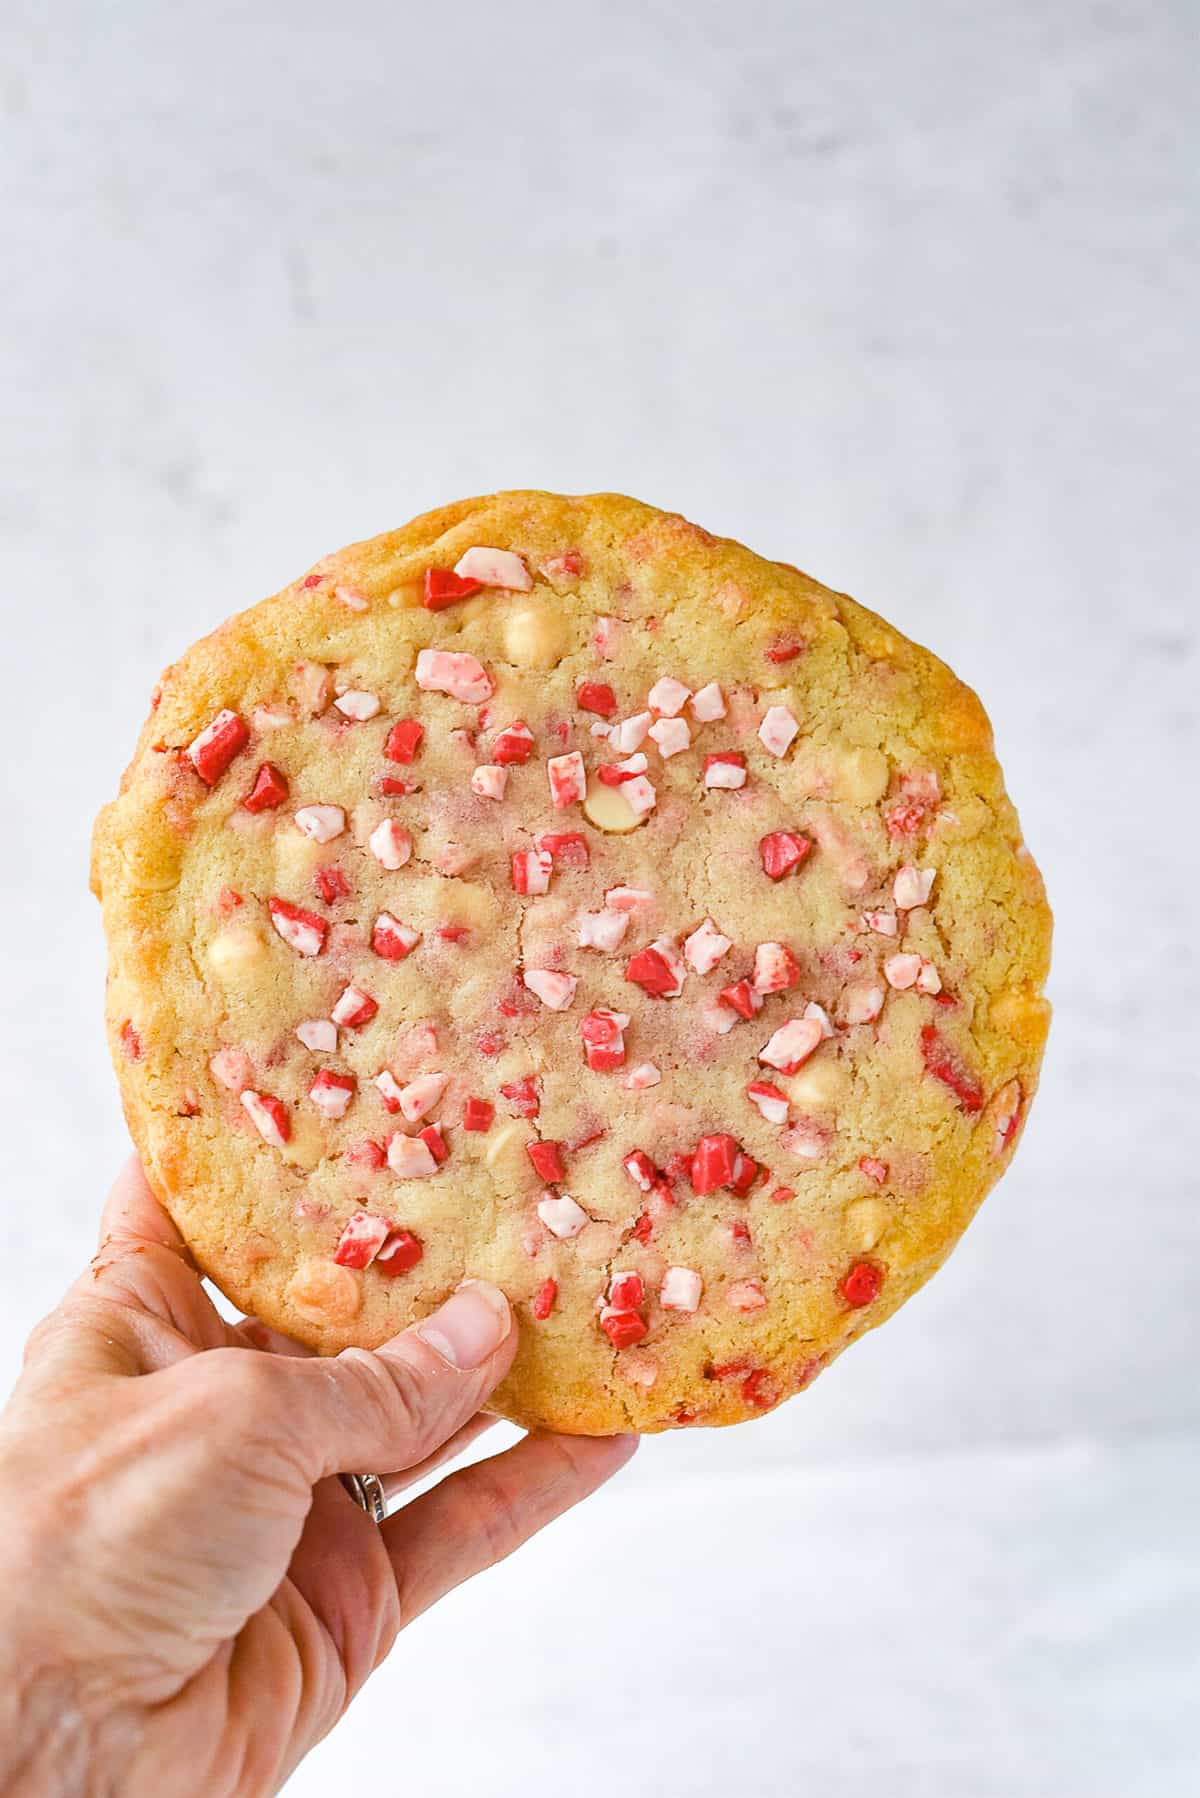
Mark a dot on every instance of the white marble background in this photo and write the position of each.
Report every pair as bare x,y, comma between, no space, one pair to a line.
901,290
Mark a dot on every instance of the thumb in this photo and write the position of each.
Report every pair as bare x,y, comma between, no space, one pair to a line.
375,1411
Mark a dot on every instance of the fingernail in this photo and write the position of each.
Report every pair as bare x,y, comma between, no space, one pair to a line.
470,1326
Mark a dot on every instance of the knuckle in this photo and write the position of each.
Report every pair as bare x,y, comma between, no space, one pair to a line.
231,1386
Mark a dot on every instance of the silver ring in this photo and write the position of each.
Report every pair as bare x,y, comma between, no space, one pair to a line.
366,1489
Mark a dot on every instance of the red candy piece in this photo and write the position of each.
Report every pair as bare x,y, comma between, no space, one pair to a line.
603,1041
568,848
784,649
432,1137
759,1389
547,1160
367,1154
131,1042
522,1095
361,1240
543,1300
389,941
782,1194
643,1229
623,1328
513,745
862,1285
626,1292
269,790
941,1061
394,786
714,1163
443,587
216,746
400,1252
478,1114
354,1008
403,740
284,912
873,1169
595,696
745,1172
652,972
613,776
782,851
742,998
331,884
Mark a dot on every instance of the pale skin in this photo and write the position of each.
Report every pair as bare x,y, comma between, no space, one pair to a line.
191,1598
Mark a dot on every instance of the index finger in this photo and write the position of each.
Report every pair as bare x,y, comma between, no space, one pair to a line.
133,1217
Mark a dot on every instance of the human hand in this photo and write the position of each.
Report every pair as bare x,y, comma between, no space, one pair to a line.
191,1598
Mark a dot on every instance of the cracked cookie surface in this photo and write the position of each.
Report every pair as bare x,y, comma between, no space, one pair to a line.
553,893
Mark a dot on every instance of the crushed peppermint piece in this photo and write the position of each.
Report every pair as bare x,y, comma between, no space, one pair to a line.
301,930
543,1299
778,730
391,939
494,568
332,1092
390,844
561,1215
411,1157
318,1034
455,673
791,1045
357,706
912,887
864,1004
361,1240
862,1284
644,1075
403,740
775,968
270,789
659,970
708,704
630,734
400,1253
602,929
269,1117
672,736
531,869
883,923
725,770
623,1328
680,1289
631,899
478,1115
421,1095
513,744
705,947
444,587
770,1101
668,696
745,1295
901,971
781,851
568,780
354,1008
212,751
321,822
596,696
603,1034
554,990
490,780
